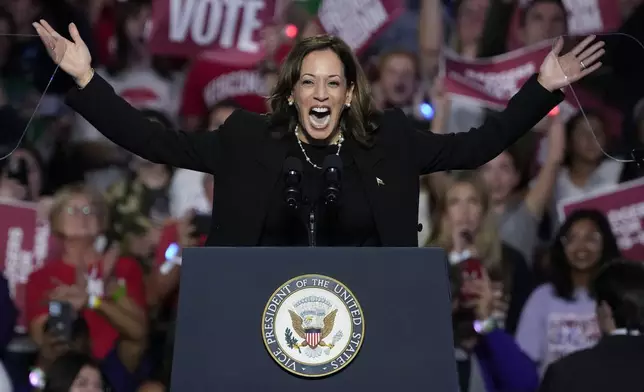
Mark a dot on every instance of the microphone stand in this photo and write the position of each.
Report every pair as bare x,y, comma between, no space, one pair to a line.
312,227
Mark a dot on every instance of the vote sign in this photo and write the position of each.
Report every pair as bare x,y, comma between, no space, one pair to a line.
229,29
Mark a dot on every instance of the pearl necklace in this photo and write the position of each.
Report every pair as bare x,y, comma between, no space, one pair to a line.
299,142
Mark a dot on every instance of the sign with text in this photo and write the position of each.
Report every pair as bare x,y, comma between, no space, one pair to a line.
492,81
623,205
358,22
229,29
24,247
584,17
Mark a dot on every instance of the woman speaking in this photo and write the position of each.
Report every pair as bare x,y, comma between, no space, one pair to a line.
322,109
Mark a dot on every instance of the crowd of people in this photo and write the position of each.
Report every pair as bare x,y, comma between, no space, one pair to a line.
552,288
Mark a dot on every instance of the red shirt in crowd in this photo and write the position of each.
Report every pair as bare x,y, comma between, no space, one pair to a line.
102,334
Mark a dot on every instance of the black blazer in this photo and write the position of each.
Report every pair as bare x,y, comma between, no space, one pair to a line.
614,364
246,158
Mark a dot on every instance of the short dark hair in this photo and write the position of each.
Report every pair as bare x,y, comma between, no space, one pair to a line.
523,13
560,268
621,285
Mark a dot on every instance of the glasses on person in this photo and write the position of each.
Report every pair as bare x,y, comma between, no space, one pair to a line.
79,210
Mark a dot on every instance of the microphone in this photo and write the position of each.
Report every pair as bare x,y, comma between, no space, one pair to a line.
293,182
332,172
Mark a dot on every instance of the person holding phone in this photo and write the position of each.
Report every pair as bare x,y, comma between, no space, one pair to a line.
487,357
464,225
105,288
321,106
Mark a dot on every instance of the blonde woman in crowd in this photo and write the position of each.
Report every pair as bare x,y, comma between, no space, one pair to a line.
103,288
465,226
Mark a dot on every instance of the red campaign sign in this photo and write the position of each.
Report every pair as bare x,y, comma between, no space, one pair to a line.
358,22
584,17
492,81
230,30
24,246
623,205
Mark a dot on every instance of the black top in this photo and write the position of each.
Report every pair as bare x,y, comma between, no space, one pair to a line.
350,223
246,158
613,364
521,281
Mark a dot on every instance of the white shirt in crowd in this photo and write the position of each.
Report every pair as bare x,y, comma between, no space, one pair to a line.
187,193
606,175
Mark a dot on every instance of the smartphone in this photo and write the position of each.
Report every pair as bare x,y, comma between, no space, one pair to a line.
471,269
201,223
61,318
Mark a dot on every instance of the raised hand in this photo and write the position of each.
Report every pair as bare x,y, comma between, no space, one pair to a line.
75,294
72,57
559,71
557,140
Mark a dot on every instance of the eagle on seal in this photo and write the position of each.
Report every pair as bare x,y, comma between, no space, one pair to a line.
312,335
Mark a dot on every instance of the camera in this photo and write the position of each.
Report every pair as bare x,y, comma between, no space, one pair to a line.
61,318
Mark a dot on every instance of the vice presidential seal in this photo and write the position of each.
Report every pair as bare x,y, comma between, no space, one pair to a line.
313,326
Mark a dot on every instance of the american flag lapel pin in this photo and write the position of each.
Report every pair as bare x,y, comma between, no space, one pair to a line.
380,182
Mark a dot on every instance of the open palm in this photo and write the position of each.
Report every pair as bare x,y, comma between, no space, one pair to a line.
559,71
72,57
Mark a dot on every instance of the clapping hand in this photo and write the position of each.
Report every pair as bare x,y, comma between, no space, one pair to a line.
559,71
75,294
72,57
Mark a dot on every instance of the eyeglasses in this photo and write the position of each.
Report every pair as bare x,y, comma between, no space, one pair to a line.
79,210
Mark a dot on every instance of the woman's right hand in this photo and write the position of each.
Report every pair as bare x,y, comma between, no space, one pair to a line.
72,57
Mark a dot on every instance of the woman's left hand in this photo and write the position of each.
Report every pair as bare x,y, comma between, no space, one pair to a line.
559,71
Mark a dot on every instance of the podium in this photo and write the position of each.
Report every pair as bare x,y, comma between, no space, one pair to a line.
314,319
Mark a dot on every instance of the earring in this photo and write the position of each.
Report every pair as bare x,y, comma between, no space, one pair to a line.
348,105
290,102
